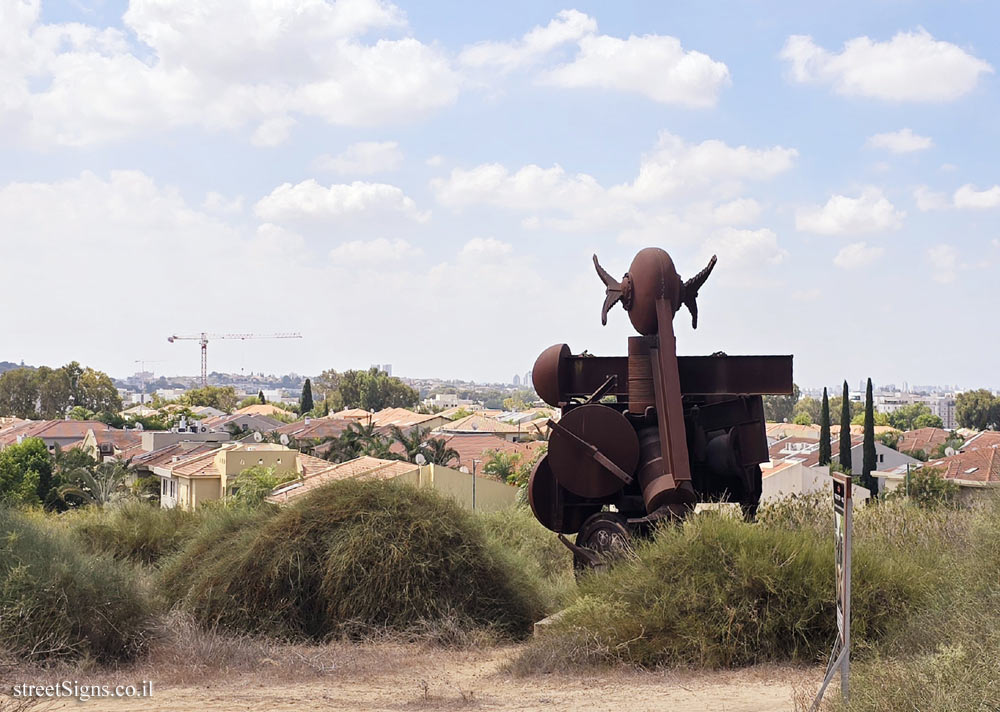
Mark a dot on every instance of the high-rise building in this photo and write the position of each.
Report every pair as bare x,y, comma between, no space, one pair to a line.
527,382
517,380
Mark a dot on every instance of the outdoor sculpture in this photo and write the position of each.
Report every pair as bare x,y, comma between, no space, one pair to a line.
645,437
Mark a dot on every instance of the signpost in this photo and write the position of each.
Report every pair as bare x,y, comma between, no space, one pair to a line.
840,656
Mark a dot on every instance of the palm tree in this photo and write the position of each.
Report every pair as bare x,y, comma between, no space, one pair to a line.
414,443
99,486
438,452
502,465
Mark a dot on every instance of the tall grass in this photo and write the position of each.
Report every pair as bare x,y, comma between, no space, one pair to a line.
57,602
133,531
536,552
349,558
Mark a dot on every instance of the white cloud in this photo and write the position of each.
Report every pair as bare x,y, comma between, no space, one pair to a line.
216,66
857,254
218,203
703,177
943,260
746,250
927,199
310,201
363,158
568,26
435,161
841,215
485,248
656,66
968,197
273,132
912,66
902,141
675,165
373,251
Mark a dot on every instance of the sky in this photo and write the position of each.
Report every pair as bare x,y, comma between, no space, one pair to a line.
424,184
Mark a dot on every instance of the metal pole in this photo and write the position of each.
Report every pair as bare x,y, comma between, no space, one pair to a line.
845,665
474,462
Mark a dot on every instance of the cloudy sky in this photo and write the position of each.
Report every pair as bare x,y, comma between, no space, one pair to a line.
424,184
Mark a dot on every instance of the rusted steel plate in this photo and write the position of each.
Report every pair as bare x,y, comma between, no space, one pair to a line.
602,429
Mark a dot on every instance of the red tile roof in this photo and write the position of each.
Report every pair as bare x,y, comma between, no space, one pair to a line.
926,439
362,467
979,465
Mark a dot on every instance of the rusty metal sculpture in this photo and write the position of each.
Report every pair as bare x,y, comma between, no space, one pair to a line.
647,436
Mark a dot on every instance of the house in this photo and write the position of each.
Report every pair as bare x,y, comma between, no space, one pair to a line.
975,470
487,494
789,478
476,423
407,419
206,411
193,478
264,409
63,433
926,439
477,446
103,444
806,451
314,428
241,423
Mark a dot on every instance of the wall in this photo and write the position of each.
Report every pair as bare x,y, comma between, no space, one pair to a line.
491,494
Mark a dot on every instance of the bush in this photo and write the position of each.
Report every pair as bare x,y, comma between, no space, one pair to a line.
536,551
349,558
133,531
56,602
720,592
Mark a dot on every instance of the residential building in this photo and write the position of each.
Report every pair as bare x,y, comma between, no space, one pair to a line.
189,480
925,439
976,471
789,478
476,423
241,422
63,433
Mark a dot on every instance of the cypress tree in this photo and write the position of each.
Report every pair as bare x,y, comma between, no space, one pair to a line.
306,402
260,397
845,431
869,464
824,432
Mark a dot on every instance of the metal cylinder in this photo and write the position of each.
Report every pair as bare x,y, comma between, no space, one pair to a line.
640,376
658,489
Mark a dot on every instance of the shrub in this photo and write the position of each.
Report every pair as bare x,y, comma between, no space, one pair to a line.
133,531
927,488
56,602
536,551
720,592
349,558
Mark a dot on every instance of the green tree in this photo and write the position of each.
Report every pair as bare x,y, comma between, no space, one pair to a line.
54,391
18,393
96,391
306,401
927,420
781,409
438,452
825,454
880,419
802,418
908,416
374,389
928,488
252,486
412,442
25,472
101,485
978,410
221,397
845,430
868,464
260,397
520,400
501,465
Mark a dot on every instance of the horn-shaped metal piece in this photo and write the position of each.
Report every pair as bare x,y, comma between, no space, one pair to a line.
690,290
614,290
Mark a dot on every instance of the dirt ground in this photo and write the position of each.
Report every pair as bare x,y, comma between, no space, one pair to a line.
401,677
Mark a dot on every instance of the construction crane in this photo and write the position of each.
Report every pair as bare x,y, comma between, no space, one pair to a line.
203,339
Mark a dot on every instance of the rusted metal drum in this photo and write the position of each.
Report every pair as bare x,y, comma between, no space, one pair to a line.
652,275
640,376
658,489
548,375
573,461
555,508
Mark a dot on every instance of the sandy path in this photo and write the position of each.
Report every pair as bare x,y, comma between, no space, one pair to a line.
418,678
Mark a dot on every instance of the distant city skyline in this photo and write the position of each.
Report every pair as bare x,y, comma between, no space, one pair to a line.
426,183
